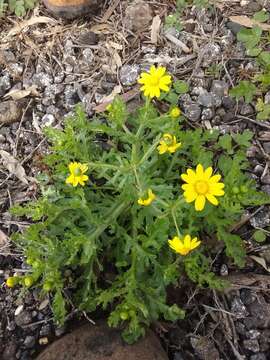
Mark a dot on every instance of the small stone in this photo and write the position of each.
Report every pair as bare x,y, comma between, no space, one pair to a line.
261,219
42,80
60,331
246,110
266,180
192,111
24,318
259,356
43,341
251,345
45,330
29,342
267,98
207,114
253,334
18,310
219,88
138,15
10,351
4,84
47,120
238,308
266,189
129,74
211,53
240,328
88,38
247,296
258,170
228,102
234,27
206,100
266,146
88,56
43,304
224,271
10,112
11,326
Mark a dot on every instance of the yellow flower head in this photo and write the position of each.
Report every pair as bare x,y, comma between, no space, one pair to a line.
77,176
185,245
12,281
153,82
202,185
149,200
175,112
168,144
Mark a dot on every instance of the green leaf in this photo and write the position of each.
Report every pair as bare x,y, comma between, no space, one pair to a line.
264,59
172,98
261,16
181,87
259,236
250,37
245,89
225,142
244,138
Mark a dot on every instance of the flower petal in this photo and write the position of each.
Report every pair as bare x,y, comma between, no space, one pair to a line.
190,196
208,172
200,203
215,179
211,198
199,171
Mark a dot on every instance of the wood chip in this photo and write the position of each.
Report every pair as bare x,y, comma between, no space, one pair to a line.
155,29
13,166
17,94
178,43
32,21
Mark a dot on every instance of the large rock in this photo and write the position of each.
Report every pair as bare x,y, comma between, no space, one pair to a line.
70,9
102,343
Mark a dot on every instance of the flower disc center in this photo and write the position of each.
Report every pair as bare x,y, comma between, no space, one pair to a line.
201,187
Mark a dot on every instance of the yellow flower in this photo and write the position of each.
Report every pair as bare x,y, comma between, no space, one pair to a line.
77,176
202,185
168,144
12,281
185,245
156,80
175,112
149,200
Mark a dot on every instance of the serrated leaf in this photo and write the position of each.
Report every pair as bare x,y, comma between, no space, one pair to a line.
261,16
244,138
259,236
245,89
181,87
250,37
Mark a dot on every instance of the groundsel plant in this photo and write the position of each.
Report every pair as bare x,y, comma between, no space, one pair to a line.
131,203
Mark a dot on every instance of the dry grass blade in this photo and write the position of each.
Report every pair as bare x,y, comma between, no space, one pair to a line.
32,21
155,28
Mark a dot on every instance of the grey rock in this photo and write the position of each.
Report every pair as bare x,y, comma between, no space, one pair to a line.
209,100
211,53
29,342
219,88
207,114
266,180
228,103
266,189
59,78
258,170
267,98
240,328
224,271
247,296
198,90
266,147
16,69
45,330
10,112
88,56
192,111
251,345
234,27
259,356
178,356
129,74
253,334
71,97
238,308
2,138
10,351
60,331
246,110
24,318
138,15
42,80
261,219
4,84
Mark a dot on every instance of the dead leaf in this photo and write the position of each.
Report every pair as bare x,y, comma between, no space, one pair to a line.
3,239
17,94
247,22
116,90
32,21
101,28
261,261
155,28
13,166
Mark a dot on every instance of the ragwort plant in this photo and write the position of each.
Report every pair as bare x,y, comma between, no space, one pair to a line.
130,204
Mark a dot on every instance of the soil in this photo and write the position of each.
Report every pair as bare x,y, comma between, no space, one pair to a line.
47,65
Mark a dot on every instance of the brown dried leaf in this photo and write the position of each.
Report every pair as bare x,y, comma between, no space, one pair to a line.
32,21
155,28
13,166
20,94
247,22
261,261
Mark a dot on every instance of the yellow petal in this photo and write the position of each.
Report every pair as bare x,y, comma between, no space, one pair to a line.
190,196
70,179
215,179
211,198
167,136
160,71
200,203
208,172
199,171
162,149
153,70
187,240
165,80
83,168
216,189
164,88
72,166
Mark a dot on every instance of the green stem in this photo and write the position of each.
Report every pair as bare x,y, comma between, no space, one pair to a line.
102,165
175,223
150,151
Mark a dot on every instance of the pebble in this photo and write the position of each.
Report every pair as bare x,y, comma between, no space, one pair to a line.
247,296
24,318
10,351
259,356
266,180
251,345
138,15
47,120
43,341
5,84
211,53
258,170
45,330
207,114
219,88
224,271
43,304
267,98
42,80
60,331
10,112
266,146
238,308
266,189
261,219
246,110
129,74
192,111
207,100
253,334
29,342
88,56
18,310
